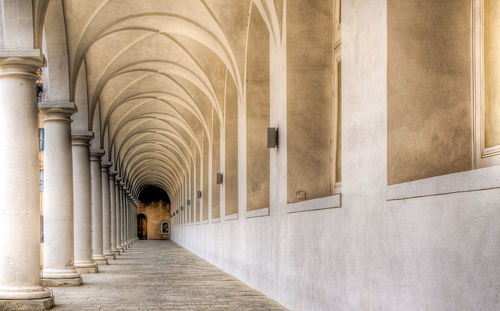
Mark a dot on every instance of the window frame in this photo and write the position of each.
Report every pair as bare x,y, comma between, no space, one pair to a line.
482,157
337,59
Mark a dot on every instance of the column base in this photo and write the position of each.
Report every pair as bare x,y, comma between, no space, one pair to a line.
60,278
116,252
27,304
100,260
86,267
62,282
109,256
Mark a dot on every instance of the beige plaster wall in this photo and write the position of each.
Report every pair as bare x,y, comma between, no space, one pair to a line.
434,252
309,97
257,113
231,150
199,187
429,88
206,163
215,168
156,213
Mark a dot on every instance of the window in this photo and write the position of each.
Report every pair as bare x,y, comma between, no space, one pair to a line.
486,83
41,136
165,227
39,92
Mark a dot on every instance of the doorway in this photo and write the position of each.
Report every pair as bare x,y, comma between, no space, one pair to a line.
142,227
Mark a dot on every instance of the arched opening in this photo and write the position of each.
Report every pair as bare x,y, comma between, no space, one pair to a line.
165,227
142,227
153,210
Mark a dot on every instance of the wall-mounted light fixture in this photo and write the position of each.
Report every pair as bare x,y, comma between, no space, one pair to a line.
272,137
188,202
198,194
219,178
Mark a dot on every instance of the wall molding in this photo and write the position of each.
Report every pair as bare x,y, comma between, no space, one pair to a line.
474,180
334,201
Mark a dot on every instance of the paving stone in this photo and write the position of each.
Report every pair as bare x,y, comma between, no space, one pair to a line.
160,275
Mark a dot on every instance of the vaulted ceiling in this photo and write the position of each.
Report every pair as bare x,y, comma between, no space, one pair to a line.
155,74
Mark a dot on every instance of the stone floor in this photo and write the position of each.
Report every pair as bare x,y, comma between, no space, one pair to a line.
159,275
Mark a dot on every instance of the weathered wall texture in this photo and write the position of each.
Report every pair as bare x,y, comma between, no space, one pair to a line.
309,98
156,213
429,88
257,112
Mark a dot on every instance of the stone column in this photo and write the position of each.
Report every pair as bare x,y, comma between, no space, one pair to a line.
118,214
81,198
128,218
122,213
96,203
112,206
131,234
58,224
19,184
106,211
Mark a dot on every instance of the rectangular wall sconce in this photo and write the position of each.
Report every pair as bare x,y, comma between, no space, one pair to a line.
188,202
219,178
272,137
198,194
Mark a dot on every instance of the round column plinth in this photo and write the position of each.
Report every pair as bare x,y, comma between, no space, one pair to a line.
27,304
58,278
100,260
23,293
86,267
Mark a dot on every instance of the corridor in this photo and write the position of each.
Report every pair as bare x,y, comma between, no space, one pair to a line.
159,275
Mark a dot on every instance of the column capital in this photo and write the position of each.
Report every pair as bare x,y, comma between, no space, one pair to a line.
96,154
112,174
117,180
81,138
105,165
20,63
57,111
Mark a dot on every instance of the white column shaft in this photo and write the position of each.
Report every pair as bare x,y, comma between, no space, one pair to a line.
96,203
58,195
19,181
118,214
106,211
112,206
81,198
